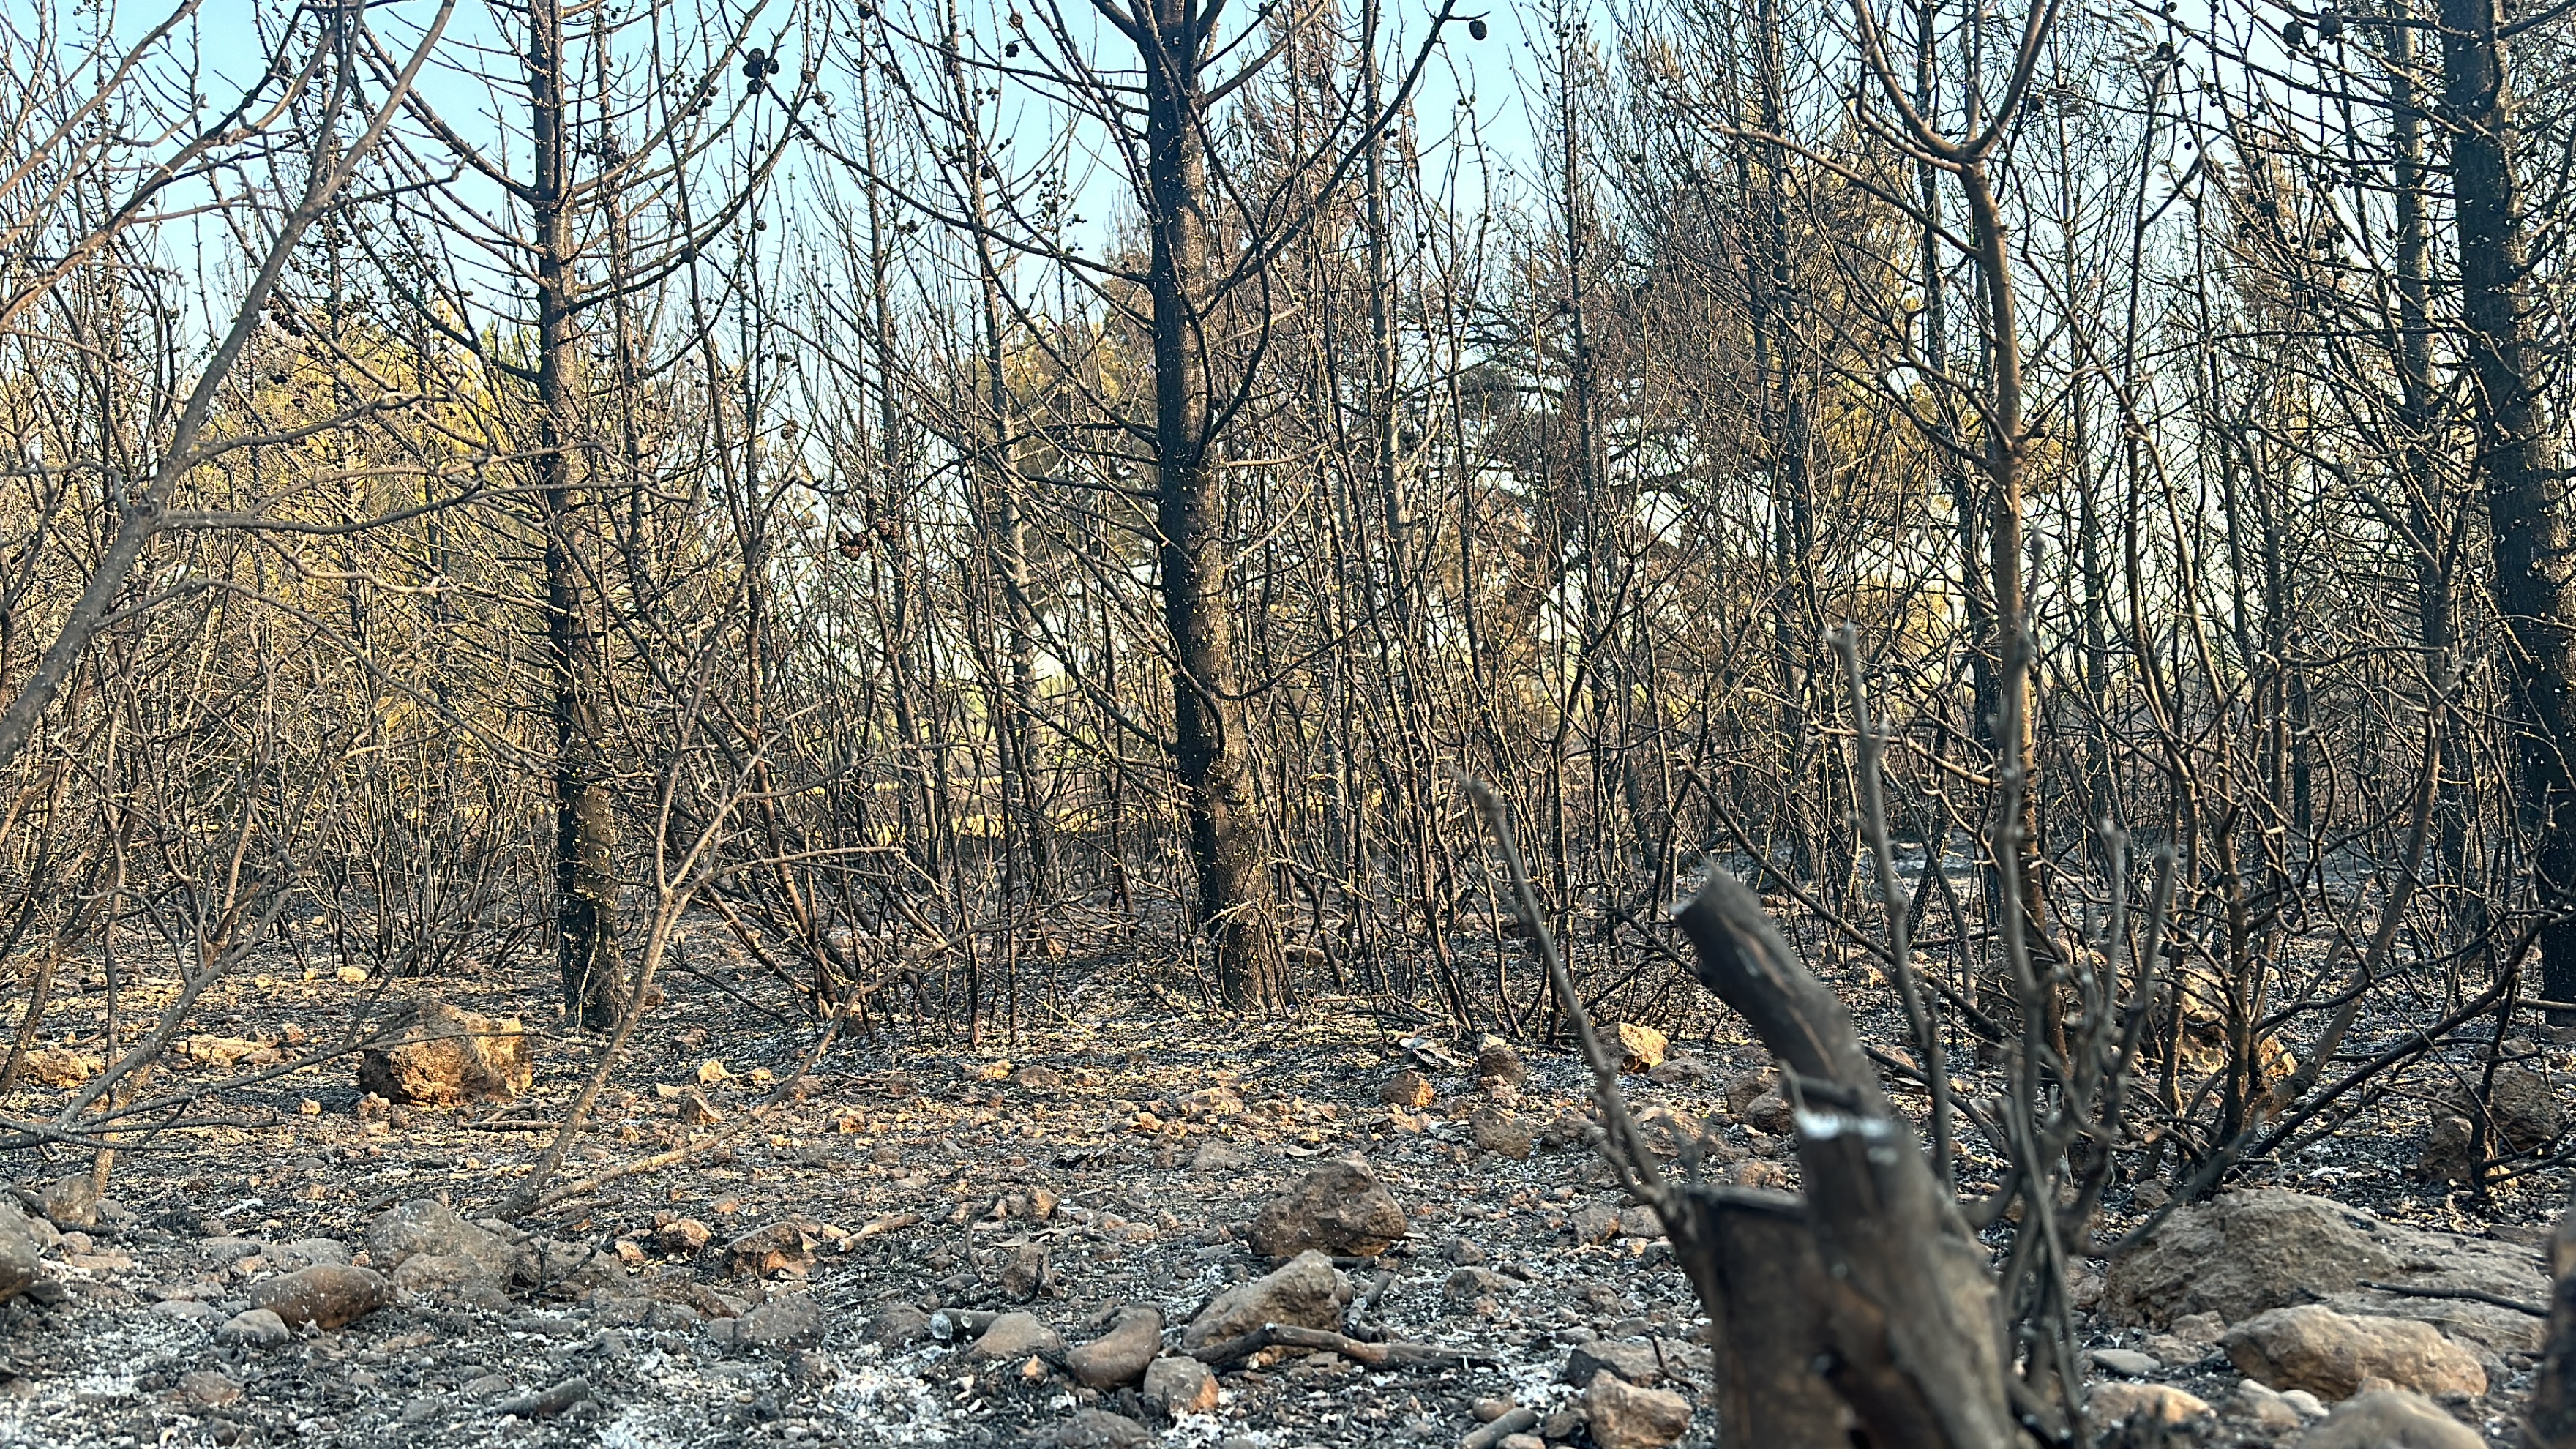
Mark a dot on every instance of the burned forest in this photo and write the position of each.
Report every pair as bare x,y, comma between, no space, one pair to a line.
1288,724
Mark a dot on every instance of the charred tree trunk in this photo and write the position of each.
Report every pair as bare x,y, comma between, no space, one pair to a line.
1211,749
1903,1300
585,811
2535,552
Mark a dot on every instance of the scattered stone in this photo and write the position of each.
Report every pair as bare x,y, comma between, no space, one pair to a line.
1565,1129
1499,1132
1016,1336
1640,1222
2524,1108
2201,1328
1624,1416
1306,1291
60,1067
2315,1348
21,1256
2307,1405
2126,1362
767,1251
1633,1359
2114,1401
254,1328
2450,1151
545,1403
445,1055
1766,1175
1027,1272
1499,1064
681,1237
2390,1419
790,1319
2242,1253
1509,1422
71,1202
331,1295
1593,1222
208,1389
187,1310
1340,1208
2267,1410
1680,1072
1407,1088
427,1227
1119,1357
450,1276
1099,1429
1181,1386
1467,1284
808,1367
1770,1113
696,1111
1742,1089
1641,1048
897,1325
224,1051
1215,1156
1488,1410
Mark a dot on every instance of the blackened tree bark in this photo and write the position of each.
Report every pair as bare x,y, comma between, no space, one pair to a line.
2534,578
585,858
1211,748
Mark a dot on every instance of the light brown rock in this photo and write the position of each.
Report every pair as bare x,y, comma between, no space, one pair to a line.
1340,1208
1624,1416
1305,1291
2449,1153
1770,1113
1641,1048
22,1259
2390,1419
2524,1109
1118,1357
682,1236
449,1276
1014,1336
1499,1132
771,1249
208,1389
330,1295
1593,1222
2120,1402
1407,1088
2315,1348
1181,1386
71,1201
2242,1253
60,1067
1099,1429
427,1227
1743,1088
446,1055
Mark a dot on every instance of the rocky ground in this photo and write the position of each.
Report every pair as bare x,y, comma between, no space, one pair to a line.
1062,1236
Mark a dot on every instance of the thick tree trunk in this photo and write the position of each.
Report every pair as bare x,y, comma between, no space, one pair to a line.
585,812
2535,555
1211,750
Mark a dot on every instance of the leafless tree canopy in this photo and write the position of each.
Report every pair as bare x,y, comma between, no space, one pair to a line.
2068,504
